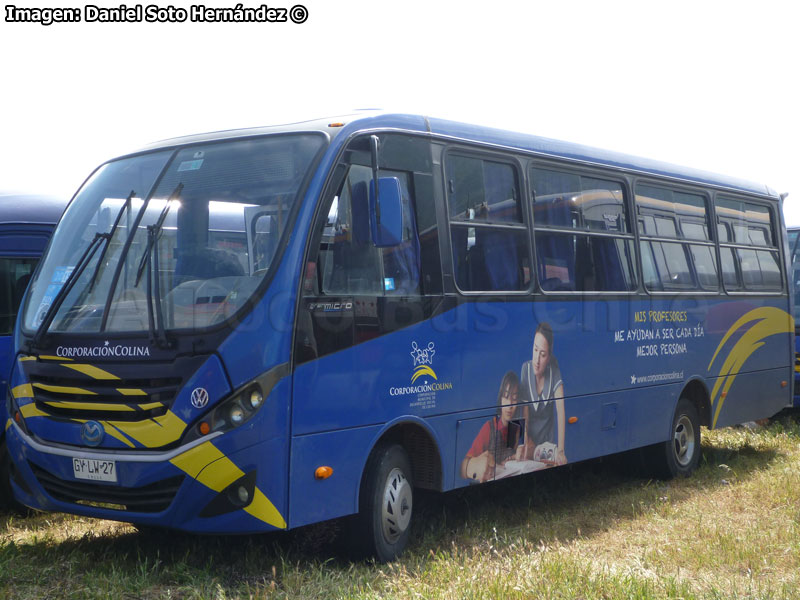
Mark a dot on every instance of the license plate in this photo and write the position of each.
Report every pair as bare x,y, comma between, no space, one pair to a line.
95,470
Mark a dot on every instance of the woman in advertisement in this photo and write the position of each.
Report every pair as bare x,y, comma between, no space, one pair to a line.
543,391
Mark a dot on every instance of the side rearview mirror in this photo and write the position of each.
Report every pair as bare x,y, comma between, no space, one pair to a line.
386,212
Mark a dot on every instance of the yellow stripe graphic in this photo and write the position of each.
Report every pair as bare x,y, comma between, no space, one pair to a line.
30,410
92,371
48,357
767,321
62,389
152,433
131,392
23,391
208,465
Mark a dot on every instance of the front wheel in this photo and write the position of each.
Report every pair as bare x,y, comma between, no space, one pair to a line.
680,454
386,503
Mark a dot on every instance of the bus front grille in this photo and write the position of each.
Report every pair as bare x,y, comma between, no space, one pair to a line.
152,498
110,392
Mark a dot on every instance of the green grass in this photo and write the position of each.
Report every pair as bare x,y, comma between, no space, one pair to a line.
587,531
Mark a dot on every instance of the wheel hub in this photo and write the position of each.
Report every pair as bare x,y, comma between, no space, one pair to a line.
684,441
397,506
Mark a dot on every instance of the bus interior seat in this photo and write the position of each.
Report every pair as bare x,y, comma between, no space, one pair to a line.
559,250
206,263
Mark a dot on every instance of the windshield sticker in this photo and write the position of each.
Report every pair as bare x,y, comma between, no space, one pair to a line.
388,284
60,276
190,165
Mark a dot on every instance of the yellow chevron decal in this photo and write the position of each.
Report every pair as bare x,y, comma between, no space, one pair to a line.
61,389
92,371
768,321
208,465
49,357
117,434
23,391
261,508
26,358
152,433
8,423
131,392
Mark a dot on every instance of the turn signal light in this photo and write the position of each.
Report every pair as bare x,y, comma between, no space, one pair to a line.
17,417
204,428
573,420
337,124
323,472
784,383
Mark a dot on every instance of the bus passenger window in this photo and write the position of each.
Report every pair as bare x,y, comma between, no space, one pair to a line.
751,249
668,219
489,239
573,216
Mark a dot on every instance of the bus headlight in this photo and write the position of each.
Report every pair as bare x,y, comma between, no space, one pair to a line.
256,398
236,415
229,414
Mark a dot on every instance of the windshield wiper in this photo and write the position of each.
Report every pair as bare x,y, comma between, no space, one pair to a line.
83,261
155,318
157,229
155,321
111,233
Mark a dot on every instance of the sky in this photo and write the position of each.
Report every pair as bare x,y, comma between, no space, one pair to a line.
711,85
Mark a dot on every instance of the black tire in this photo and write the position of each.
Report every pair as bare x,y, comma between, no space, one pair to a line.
7,500
680,454
385,504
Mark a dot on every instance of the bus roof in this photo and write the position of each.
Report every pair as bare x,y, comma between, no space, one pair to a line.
486,135
30,208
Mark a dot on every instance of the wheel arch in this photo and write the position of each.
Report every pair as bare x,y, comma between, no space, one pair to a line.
696,391
422,446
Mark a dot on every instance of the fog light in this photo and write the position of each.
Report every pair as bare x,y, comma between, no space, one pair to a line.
256,398
243,494
236,415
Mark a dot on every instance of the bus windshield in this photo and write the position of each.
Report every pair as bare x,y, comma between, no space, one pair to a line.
177,238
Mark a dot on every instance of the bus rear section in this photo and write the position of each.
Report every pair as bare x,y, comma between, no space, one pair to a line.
271,329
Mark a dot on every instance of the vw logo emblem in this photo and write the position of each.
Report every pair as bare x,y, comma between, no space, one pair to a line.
92,433
199,397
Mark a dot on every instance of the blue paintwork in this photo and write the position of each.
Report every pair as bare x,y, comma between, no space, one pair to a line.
333,410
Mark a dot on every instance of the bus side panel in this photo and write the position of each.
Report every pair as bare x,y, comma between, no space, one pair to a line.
753,392
345,451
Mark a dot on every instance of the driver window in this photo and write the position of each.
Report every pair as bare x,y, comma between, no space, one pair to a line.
348,261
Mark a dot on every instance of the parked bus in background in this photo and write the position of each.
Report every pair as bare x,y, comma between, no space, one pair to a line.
397,302
26,223
794,286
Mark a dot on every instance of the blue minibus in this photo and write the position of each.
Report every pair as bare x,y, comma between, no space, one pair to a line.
261,329
26,223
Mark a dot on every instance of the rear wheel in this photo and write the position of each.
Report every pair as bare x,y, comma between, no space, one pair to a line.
680,454
386,503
